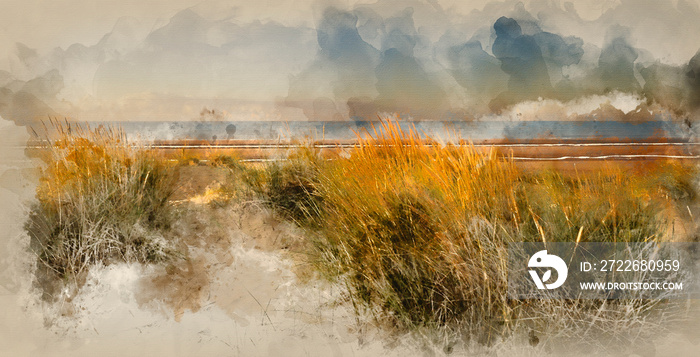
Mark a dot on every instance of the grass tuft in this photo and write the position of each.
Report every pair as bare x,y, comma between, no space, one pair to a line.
419,230
290,186
100,199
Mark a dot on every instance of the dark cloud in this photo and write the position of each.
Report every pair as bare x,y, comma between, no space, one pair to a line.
616,65
404,86
363,79
29,103
665,85
343,69
24,109
692,74
521,58
400,33
478,72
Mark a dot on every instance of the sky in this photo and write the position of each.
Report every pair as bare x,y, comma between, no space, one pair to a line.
340,60
46,24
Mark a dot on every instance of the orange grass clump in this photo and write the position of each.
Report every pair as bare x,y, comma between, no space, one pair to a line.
420,230
100,199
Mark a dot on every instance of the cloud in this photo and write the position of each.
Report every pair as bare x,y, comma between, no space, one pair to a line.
424,60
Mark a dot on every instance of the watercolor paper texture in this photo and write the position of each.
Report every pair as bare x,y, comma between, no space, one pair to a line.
489,71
